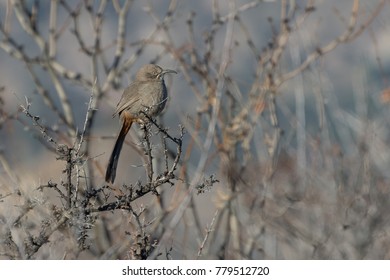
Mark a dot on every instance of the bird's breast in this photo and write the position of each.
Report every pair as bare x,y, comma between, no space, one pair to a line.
156,99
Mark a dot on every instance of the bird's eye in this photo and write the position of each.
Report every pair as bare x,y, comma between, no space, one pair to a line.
151,75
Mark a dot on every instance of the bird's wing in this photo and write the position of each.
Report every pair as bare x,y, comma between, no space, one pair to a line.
129,97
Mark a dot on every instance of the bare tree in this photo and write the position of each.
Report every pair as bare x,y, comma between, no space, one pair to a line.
238,176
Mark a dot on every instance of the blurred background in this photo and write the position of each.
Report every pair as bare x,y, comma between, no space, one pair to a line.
284,105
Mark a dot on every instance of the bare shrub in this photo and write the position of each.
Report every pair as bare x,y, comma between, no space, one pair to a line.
258,161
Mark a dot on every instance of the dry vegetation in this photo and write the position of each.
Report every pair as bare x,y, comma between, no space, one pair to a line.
238,173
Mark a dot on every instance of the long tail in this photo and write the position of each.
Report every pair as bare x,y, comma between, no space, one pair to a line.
113,163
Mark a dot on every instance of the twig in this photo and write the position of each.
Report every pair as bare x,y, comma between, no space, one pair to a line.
35,120
162,130
209,229
148,151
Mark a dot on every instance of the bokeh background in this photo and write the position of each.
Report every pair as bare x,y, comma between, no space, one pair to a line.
285,109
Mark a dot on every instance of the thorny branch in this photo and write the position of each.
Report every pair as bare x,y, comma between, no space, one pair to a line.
235,131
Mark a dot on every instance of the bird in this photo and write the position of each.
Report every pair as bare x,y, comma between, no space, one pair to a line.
146,95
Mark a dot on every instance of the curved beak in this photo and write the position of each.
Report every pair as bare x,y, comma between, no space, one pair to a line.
167,71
